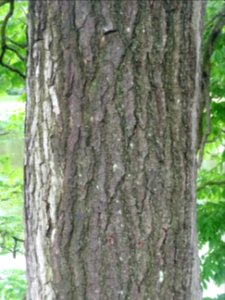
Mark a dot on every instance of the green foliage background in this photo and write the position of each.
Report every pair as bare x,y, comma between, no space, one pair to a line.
12,282
16,39
12,285
211,178
210,183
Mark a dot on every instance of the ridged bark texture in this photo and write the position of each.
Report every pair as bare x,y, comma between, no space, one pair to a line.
111,125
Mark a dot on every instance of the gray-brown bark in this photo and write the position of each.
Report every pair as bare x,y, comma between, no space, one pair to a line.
111,125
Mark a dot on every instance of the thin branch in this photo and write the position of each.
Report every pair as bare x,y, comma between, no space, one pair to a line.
3,31
23,46
209,183
4,133
12,69
15,250
16,52
17,239
208,123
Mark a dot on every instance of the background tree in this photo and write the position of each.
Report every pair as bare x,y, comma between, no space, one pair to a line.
111,141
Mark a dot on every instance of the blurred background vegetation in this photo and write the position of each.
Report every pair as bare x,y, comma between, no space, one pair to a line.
211,176
13,50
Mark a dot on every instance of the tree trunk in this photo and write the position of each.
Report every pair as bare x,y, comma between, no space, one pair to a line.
111,126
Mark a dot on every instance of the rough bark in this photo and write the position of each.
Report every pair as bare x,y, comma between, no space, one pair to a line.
111,126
